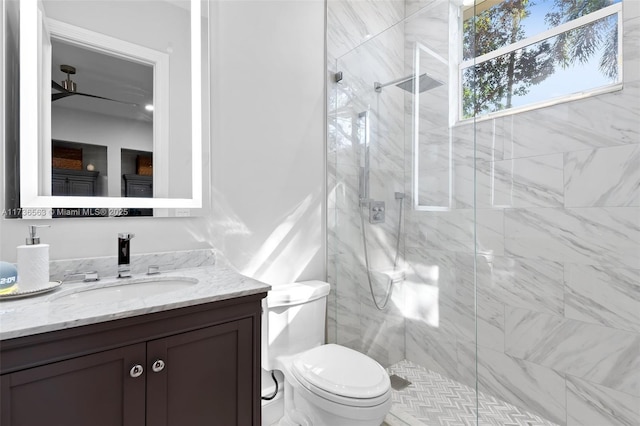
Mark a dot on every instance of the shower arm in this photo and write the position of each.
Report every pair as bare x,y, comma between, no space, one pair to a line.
378,86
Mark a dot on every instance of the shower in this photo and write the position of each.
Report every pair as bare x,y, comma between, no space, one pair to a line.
377,208
425,82
514,218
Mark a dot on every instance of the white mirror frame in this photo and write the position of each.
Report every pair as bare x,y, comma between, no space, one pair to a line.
31,117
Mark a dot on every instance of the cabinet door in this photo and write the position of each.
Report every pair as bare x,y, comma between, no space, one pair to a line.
206,380
82,187
95,390
58,186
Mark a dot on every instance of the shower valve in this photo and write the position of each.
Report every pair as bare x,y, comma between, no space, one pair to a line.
376,212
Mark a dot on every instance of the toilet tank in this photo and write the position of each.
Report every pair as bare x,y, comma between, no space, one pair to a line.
293,319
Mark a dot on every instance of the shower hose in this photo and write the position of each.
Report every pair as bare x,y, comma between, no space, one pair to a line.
381,306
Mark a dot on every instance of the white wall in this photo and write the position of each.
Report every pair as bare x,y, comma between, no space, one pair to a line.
267,154
268,142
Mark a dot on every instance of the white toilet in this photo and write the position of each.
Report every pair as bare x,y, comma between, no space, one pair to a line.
325,385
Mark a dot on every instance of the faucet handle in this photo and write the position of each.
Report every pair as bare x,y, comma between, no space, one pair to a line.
84,276
91,276
155,269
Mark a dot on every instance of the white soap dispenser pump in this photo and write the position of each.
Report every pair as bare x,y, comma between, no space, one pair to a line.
33,262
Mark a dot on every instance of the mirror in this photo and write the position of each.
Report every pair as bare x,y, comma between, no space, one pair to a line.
111,105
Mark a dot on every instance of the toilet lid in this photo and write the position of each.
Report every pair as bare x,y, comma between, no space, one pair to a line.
341,371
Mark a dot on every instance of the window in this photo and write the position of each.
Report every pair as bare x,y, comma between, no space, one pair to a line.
523,52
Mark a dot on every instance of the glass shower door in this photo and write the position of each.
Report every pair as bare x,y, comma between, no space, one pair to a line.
394,146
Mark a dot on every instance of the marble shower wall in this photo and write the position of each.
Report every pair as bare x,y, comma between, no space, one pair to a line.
534,269
556,280
559,294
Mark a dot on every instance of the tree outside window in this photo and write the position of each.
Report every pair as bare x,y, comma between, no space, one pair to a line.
507,63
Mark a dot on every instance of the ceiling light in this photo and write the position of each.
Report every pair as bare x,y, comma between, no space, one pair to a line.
148,107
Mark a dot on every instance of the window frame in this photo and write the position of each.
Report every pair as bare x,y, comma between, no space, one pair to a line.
614,9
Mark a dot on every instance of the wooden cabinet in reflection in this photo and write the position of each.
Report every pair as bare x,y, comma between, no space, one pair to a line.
138,186
78,183
141,187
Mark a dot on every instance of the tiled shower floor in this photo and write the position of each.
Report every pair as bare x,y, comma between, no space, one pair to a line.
433,399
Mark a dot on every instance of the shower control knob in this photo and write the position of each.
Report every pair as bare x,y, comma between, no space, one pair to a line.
158,366
136,371
376,212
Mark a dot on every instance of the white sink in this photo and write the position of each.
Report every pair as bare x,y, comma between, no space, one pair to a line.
115,292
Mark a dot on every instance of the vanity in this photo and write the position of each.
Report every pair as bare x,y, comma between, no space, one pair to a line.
188,355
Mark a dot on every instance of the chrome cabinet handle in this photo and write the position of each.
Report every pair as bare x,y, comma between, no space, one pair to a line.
158,366
136,371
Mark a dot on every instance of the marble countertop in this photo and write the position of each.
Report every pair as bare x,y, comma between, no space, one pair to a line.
55,311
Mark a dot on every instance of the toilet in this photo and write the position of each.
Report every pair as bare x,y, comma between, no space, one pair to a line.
324,385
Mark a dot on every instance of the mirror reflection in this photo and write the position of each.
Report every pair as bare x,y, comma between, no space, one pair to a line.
104,81
100,106
118,104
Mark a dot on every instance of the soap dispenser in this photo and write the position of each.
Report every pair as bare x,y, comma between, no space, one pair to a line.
33,262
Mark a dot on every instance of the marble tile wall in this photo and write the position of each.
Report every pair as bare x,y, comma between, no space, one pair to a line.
354,320
349,24
533,271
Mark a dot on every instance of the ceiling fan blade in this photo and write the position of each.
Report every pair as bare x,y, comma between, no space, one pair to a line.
56,96
106,99
65,92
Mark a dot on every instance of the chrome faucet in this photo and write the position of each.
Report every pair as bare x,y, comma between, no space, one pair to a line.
124,255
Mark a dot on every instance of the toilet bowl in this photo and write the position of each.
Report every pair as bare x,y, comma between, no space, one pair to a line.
324,384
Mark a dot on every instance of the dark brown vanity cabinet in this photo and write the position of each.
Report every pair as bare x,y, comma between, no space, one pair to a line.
190,366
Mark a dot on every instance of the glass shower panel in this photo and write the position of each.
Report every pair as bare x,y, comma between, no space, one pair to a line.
397,148
369,171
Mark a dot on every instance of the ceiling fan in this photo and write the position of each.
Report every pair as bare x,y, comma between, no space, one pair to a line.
69,88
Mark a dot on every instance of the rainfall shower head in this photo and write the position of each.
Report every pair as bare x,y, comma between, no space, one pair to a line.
425,82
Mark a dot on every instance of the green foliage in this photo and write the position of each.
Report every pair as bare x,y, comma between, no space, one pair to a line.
491,85
581,43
